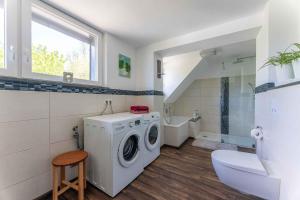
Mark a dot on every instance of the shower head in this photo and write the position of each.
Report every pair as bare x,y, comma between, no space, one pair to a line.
242,59
237,61
207,53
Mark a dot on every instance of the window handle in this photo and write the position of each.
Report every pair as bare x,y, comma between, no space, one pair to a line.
26,56
12,54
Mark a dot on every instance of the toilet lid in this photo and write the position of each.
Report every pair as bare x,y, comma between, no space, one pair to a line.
240,160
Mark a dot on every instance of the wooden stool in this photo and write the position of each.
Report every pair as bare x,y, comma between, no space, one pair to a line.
60,162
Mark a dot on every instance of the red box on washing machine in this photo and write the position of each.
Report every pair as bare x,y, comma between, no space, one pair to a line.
139,109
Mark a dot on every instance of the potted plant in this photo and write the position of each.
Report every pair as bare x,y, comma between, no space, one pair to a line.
283,62
288,63
296,61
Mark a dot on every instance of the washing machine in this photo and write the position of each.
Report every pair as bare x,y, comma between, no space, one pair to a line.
114,146
151,137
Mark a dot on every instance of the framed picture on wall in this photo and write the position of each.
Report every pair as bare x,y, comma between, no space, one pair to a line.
124,66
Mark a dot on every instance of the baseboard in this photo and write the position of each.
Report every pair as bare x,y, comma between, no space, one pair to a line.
44,196
48,194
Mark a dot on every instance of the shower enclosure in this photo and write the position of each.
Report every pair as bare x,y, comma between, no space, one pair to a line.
237,110
222,92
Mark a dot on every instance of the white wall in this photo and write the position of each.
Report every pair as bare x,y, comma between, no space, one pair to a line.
277,110
284,26
262,51
280,29
176,69
35,127
145,69
112,48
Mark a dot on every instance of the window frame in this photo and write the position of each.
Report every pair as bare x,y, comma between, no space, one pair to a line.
95,70
11,30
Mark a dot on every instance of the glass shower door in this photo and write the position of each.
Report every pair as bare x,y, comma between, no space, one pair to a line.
237,110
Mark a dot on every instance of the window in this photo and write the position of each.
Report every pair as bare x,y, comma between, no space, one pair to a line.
56,43
2,50
8,37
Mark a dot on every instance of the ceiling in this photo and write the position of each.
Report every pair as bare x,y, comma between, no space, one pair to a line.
230,53
141,22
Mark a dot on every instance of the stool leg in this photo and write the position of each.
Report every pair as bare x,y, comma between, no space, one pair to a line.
84,173
80,182
62,176
55,183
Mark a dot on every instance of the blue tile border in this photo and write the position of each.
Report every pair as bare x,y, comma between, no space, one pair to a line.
224,105
286,85
22,84
264,87
271,86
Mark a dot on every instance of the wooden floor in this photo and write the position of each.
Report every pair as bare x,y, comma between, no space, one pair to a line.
178,174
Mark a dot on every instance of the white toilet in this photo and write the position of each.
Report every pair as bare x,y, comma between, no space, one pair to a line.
246,173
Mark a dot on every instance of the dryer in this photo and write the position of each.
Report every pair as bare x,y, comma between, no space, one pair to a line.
151,137
114,146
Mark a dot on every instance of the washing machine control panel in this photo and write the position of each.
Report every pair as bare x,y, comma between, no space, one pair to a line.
131,124
134,123
137,122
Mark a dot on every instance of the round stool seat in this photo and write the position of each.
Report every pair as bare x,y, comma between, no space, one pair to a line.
70,158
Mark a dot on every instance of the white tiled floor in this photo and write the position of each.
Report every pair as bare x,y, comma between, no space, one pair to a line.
229,139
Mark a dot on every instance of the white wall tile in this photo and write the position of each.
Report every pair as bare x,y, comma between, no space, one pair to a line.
178,108
203,95
130,100
61,128
23,135
37,126
66,104
20,166
101,102
62,147
28,189
190,92
19,105
145,101
119,103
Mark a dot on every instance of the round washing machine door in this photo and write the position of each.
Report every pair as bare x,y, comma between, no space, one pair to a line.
129,149
152,136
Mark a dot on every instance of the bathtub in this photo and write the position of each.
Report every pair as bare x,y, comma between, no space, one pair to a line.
177,131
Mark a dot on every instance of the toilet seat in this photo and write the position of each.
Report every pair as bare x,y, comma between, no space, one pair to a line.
240,160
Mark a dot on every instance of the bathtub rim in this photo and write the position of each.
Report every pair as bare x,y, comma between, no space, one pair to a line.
187,119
